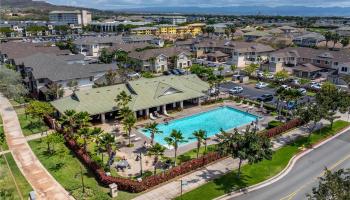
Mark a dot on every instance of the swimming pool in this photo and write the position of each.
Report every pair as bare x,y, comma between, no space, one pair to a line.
211,121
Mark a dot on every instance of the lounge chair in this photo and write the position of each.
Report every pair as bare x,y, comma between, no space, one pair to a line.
166,113
152,117
156,114
137,139
132,135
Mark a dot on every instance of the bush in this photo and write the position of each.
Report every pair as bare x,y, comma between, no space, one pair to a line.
284,127
273,124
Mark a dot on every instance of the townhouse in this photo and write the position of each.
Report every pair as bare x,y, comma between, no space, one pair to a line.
162,59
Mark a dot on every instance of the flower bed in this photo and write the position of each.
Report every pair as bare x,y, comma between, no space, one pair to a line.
283,128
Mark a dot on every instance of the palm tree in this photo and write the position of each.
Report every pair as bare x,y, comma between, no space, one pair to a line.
83,119
233,68
335,38
221,69
106,141
328,37
174,140
69,120
123,99
200,136
128,123
156,150
86,134
153,129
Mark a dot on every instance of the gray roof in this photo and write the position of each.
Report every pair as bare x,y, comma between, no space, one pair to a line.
147,54
234,45
57,68
119,39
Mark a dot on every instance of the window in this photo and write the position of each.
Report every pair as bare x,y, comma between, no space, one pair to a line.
344,69
318,61
326,62
272,58
335,63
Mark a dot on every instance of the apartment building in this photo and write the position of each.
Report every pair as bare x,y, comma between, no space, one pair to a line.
168,29
76,17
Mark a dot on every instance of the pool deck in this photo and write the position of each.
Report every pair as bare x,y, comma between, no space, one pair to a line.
130,152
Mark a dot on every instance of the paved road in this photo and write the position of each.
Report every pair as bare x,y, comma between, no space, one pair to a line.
296,184
38,177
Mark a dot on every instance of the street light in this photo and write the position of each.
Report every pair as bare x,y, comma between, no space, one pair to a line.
141,163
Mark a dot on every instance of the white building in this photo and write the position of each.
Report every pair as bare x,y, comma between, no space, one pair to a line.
76,17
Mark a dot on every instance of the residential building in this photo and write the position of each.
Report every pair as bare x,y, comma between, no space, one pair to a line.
147,96
9,51
309,39
76,17
114,26
173,19
252,36
162,59
326,60
41,70
92,45
167,29
145,30
343,31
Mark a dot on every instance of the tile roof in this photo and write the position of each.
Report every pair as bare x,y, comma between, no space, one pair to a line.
58,68
15,50
238,46
307,67
146,93
149,53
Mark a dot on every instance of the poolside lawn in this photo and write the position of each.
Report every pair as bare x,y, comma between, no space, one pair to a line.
31,125
65,167
6,180
255,173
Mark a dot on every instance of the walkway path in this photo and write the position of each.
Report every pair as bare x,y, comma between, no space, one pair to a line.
172,189
39,178
38,135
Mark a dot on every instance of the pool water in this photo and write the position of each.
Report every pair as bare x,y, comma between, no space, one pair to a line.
211,121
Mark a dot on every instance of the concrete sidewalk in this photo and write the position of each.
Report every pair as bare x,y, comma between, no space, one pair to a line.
38,177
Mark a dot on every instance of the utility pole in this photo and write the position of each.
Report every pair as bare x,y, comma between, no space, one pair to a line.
141,163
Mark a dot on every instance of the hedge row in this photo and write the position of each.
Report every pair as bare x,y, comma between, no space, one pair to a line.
283,128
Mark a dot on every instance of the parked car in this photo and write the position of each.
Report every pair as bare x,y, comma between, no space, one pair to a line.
260,73
265,97
302,91
286,87
315,85
235,90
261,85
181,71
175,72
213,91
295,82
167,73
269,76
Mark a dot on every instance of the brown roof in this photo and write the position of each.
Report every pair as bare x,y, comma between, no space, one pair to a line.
307,67
217,54
129,47
238,46
15,50
147,54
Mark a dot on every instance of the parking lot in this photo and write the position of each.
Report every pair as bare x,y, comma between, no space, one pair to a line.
249,91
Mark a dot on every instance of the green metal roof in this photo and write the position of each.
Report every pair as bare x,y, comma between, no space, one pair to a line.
146,93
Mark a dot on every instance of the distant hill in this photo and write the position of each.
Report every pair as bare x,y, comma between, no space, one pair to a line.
249,10
30,4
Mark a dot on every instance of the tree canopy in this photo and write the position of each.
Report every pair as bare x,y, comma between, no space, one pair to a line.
11,83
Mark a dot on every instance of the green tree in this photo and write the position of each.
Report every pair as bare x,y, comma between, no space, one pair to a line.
73,85
282,75
156,150
128,123
11,84
221,69
106,142
174,140
311,114
345,42
105,56
82,119
69,121
55,91
250,69
123,99
200,137
328,36
38,110
333,185
153,129
51,140
233,68
250,146
335,39
85,133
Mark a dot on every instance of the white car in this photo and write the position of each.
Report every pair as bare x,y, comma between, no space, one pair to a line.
261,85
269,76
236,90
296,82
286,87
315,85
302,91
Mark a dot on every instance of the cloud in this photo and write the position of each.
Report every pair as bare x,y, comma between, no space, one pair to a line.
115,4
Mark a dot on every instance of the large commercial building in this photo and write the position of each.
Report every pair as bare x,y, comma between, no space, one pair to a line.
76,17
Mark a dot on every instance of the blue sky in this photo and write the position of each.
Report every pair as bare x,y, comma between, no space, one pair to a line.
117,4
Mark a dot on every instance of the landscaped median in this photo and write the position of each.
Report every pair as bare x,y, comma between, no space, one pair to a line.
256,173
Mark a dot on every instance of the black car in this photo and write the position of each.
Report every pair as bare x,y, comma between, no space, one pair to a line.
265,97
174,71
167,73
181,71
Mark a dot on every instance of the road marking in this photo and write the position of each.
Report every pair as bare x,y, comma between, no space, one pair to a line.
292,195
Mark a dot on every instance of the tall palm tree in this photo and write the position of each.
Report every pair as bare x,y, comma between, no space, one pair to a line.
199,135
335,38
328,37
174,140
153,129
106,141
156,150
83,119
68,120
123,99
86,134
128,123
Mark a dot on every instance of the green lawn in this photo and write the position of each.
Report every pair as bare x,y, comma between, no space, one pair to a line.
255,173
31,125
6,180
310,94
65,167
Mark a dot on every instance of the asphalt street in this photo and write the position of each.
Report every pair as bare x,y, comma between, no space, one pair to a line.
304,176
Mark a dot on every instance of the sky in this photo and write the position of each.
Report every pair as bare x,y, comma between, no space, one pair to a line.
121,4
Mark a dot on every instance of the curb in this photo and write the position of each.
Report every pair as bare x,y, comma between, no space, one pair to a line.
283,173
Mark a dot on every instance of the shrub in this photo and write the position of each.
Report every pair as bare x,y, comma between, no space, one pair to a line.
273,124
284,127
